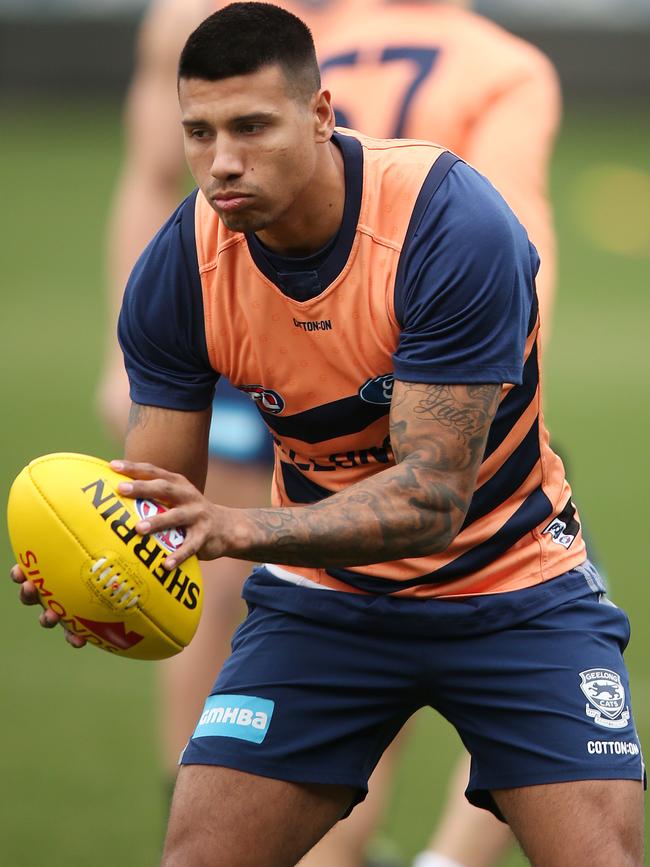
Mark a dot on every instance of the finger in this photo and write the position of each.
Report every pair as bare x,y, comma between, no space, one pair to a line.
162,523
48,619
142,470
28,594
17,574
190,546
160,490
73,640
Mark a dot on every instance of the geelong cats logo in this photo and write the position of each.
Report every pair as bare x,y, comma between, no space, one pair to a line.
606,696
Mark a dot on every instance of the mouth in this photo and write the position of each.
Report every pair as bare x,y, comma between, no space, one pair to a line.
230,201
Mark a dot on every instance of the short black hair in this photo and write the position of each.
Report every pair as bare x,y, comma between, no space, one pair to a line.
244,37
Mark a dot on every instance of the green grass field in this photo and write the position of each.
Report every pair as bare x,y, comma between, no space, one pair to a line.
79,758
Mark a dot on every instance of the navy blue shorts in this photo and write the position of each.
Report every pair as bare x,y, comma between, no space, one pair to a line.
320,682
237,432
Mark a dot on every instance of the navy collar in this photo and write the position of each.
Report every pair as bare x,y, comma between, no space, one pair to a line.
306,277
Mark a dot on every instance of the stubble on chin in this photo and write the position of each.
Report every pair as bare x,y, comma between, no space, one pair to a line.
244,224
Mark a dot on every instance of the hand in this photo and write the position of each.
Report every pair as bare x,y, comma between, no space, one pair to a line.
203,522
48,619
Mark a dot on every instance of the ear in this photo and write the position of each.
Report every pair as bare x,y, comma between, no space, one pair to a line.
323,113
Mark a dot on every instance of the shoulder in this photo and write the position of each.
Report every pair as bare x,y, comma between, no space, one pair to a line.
464,289
484,52
464,238
510,54
165,27
463,204
389,163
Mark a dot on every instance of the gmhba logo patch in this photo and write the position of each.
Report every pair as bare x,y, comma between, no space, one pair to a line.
246,717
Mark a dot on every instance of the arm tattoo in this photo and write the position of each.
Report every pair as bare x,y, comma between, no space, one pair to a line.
137,416
464,412
444,405
438,433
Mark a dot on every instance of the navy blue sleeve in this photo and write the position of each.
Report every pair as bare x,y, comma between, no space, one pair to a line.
161,328
464,287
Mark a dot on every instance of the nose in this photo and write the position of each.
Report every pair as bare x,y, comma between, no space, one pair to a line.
227,162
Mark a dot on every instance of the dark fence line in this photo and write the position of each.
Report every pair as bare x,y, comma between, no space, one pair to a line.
70,57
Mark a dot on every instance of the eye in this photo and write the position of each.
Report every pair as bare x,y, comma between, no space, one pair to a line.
198,133
251,128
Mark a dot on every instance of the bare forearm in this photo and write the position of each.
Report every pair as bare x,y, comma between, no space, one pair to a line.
412,509
400,512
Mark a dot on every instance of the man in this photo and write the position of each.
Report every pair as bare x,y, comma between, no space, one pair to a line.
430,70
454,78
502,120
378,298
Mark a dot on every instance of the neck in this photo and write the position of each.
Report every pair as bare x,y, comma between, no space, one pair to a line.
316,215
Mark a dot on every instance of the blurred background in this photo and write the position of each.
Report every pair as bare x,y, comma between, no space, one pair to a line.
78,759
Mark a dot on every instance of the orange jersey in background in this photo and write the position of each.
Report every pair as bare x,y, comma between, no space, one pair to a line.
441,73
321,16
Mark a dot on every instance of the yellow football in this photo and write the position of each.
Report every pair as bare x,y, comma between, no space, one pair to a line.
74,536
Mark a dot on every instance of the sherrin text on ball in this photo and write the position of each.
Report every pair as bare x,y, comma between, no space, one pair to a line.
74,536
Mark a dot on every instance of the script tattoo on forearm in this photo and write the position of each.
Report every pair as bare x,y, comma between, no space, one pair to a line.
438,434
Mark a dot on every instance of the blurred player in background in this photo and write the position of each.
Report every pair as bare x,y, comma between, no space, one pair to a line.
429,70
438,71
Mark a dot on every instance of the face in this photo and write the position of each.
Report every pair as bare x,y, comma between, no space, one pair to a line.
253,146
